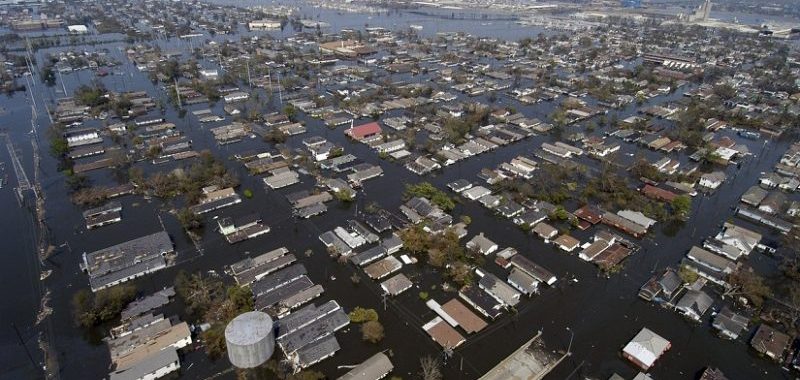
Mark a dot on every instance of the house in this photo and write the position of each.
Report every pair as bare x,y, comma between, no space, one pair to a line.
523,282
729,324
566,243
498,289
709,265
391,146
459,185
242,228
754,195
374,368
397,284
662,287
534,270
530,218
589,213
741,240
771,180
264,24
637,217
545,231
364,132
794,209
658,194
481,244
475,193
712,180
510,209
153,366
770,342
645,348
694,304
125,261
712,374
773,203
235,96
594,249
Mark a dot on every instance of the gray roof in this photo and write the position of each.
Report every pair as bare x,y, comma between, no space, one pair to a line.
695,300
147,365
313,332
368,256
374,368
499,289
148,303
304,317
278,279
710,260
127,254
272,297
396,284
730,322
313,353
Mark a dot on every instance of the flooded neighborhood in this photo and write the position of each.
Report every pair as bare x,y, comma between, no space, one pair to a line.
376,189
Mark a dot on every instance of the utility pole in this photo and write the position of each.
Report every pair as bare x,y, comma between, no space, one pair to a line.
22,342
178,93
63,87
280,93
249,81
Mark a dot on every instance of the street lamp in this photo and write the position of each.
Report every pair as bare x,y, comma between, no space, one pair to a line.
571,336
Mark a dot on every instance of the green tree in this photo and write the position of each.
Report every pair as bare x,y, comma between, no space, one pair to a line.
361,315
681,205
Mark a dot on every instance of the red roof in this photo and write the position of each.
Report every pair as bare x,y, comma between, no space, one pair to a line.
364,131
658,193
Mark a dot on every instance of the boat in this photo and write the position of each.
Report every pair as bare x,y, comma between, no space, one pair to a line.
415,27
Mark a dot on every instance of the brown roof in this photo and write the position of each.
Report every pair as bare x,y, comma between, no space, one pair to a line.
445,335
658,193
167,338
467,319
612,256
567,241
589,213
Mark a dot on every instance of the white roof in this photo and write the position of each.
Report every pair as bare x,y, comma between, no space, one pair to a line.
646,347
637,217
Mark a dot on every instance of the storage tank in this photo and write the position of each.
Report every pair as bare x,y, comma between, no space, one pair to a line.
250,339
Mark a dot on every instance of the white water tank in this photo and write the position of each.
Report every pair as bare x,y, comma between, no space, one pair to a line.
250,339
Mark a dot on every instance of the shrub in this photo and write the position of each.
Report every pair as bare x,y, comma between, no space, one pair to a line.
361,315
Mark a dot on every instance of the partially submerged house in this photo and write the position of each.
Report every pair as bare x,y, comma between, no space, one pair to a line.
645,348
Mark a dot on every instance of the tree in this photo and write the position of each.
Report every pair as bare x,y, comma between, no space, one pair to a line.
214,339
430,368
429,191
681,205
793,303
687,275
189,219
372,331
290,112
747,283
91,309
344,195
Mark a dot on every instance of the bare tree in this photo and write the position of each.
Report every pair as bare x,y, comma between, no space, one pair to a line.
430,368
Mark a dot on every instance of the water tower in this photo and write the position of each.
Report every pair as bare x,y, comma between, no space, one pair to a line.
250,339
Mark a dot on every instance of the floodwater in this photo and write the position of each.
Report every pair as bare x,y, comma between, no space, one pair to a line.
602,313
